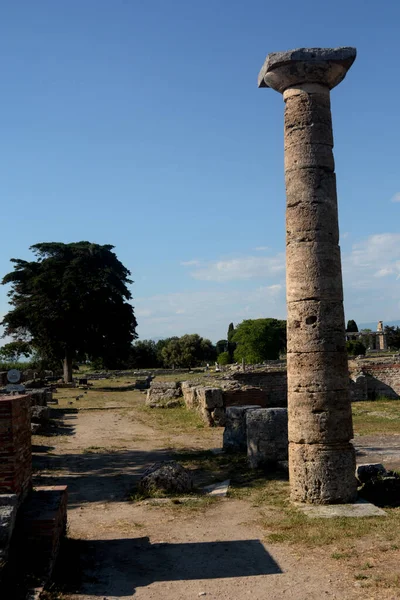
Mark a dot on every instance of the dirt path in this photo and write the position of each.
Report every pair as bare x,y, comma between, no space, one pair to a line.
138,550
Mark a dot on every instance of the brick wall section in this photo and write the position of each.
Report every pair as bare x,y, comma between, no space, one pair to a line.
15,445
274,383
246,397
383,380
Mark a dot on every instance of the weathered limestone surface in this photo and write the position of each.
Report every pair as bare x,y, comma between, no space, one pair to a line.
267,436
321,459
235,432
167,477
8,514
163,394
210,397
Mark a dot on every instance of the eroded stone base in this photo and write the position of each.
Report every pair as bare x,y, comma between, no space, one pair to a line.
322,474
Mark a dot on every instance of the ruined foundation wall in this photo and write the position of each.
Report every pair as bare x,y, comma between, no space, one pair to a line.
382,376
15,445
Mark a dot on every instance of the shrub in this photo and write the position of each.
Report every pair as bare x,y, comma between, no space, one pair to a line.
223,358
355,347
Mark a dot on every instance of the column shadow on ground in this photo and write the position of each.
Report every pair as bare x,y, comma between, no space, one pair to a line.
118,567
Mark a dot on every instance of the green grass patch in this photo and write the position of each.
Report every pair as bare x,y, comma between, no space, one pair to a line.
376,417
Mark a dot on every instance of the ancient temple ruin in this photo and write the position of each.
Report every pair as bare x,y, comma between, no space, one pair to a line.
321,457
374,341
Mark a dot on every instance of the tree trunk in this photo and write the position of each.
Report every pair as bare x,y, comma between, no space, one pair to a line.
67,369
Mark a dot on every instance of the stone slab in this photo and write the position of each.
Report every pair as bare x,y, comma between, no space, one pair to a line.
359,509
219,489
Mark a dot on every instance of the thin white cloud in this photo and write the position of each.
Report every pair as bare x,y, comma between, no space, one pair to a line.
395,198
190,263
247,267
261,248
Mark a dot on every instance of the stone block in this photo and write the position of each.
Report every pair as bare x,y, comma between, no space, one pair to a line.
40,414
218,416
210,397
161,393
235,432
370,471
43,524
267,436
322,474
189,393
164,385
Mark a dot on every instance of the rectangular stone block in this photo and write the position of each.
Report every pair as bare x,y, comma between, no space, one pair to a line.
189,393
235,432
210,397
267,436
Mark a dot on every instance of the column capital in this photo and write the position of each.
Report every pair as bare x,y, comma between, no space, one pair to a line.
324,66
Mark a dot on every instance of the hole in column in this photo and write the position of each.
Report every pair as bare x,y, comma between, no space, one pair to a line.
311,320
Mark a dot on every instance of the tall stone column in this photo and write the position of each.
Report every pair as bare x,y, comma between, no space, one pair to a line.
321,457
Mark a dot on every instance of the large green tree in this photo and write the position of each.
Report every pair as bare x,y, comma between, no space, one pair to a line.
72,303
259,339
144,355
188,351
392,336
13,351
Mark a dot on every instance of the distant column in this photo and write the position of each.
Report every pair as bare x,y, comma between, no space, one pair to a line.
321,457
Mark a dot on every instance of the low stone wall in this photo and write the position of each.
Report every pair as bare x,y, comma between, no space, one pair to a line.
382,377
272,382
266,389
15,446
207,401
40,397
358,388
163,394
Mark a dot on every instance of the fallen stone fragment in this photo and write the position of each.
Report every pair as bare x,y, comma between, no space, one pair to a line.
369,471
219,489
383,490
166,477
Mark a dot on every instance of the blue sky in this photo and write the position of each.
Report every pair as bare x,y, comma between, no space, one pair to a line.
140,124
